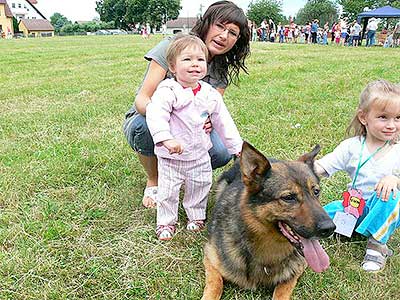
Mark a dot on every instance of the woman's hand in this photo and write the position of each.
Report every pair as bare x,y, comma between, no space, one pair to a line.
385,186
173,146
207,125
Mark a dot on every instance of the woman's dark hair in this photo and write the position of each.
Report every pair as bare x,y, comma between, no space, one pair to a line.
227,12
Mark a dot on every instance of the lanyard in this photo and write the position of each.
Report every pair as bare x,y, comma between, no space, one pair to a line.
360,165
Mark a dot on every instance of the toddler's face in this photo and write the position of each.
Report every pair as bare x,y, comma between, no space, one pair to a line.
382,124
190,66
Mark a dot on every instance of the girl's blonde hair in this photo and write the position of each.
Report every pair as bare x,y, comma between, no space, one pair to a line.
180,43
379,92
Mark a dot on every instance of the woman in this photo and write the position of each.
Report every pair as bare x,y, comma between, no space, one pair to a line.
224,29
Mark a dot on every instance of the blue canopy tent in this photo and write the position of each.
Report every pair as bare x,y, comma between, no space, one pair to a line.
381,12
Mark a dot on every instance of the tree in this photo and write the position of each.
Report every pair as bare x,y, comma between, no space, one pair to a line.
128,12
265,9
323,10
15,25
351,8
112,11
58,21
154,12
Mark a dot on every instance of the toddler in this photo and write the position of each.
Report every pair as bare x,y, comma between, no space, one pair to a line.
371,157
175,117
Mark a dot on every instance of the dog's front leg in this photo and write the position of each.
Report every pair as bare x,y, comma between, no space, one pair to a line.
214,282
284,290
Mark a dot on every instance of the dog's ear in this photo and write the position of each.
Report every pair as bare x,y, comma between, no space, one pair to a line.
308,158
253,165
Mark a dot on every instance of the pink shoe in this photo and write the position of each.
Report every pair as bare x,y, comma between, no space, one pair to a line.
165,232
196,225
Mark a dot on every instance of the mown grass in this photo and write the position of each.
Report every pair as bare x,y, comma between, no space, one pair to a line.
71,221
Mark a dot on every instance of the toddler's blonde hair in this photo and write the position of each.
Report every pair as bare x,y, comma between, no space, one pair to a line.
180,43
379,93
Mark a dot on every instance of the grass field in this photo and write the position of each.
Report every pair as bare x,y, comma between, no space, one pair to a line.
71,221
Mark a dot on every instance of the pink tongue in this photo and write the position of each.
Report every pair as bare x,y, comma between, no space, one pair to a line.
315,255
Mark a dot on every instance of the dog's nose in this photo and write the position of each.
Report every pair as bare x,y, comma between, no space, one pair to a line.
325,228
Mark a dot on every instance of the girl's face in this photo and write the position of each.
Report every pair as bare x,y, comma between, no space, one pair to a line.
382,123
221,38
190,66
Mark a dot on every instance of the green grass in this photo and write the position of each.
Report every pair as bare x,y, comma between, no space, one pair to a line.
71,221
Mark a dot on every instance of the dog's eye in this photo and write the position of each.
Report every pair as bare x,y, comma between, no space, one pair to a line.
316,192
289,198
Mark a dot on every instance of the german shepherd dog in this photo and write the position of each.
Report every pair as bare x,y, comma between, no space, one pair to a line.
265,225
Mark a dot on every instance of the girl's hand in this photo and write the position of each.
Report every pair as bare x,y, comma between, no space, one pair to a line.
173,146
385,186
207,125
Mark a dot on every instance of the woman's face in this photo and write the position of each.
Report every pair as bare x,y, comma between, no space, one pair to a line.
221,38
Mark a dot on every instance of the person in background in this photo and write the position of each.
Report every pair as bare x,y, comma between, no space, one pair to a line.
263,27
333,29
371,31
396,35
314,31
356,29
224,29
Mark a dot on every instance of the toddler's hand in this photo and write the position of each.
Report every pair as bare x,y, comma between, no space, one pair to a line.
385,186
173,146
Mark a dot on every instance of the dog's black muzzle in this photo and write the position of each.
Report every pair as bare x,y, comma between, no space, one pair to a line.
325,228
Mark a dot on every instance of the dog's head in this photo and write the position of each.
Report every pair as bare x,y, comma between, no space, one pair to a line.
285,195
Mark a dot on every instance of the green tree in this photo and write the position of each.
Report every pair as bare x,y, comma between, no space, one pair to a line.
323,10
351,8
67,29
112,11
160,11
128,12
58,21
15,25
265,9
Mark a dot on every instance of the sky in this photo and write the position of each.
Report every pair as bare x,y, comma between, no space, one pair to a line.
84,10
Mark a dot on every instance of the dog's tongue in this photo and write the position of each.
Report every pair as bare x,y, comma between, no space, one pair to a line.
315,255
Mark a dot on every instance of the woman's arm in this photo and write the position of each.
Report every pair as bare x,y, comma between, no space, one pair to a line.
207,124
154,76
221,91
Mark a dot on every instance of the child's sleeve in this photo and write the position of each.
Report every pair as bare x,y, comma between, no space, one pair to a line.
158,114
335,161
223,123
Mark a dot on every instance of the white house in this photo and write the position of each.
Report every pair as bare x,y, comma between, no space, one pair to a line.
25,9
183,25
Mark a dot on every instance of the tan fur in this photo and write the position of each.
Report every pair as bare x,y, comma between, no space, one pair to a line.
262,256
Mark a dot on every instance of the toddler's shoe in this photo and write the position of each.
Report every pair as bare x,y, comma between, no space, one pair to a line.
165,232
196,225
375,256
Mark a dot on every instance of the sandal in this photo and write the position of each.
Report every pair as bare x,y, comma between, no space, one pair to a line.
165,232
150,192
375,257
196,225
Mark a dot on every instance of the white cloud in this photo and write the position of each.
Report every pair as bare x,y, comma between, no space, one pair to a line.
74,10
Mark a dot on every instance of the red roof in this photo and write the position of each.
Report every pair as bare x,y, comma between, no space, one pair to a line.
6,8
37,25
32,1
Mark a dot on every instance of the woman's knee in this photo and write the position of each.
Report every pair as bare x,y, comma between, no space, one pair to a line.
218,153
138,135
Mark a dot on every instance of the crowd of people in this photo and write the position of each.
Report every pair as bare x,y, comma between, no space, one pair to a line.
340,33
